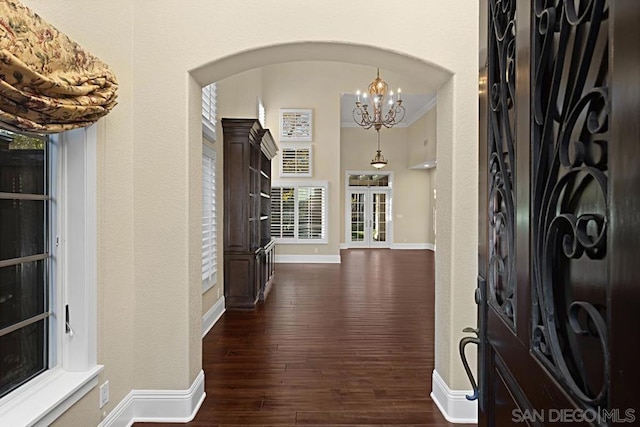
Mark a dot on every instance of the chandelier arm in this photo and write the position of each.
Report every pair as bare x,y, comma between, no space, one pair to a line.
362,117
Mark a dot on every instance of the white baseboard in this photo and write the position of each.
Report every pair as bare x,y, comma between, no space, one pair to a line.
212,316
453,403
158,406
429,246
308,259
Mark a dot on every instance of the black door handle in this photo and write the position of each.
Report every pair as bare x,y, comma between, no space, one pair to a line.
463,343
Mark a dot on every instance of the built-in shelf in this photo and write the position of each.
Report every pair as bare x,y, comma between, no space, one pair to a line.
249,251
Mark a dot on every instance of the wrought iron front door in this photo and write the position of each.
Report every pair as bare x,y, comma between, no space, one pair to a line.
559,258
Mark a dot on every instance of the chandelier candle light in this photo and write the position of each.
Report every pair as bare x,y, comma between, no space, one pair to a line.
378,91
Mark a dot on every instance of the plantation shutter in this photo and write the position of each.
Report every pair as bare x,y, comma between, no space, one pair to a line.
311,212
209,110
209,220
283,212
295,161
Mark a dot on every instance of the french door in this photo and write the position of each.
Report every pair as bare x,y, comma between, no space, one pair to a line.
368,224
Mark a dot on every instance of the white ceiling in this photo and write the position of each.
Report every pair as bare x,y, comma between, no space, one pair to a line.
415,105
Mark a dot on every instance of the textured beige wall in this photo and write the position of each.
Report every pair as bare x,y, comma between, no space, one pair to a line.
411,201
237,98
423,143
150,149
302,85
213,294
423,139
455,51
456,263
318,85
433,173
115,263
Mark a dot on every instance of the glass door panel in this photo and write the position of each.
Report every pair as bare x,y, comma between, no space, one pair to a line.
379,218
368,217
357,217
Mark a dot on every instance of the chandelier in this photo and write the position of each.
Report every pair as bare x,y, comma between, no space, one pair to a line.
377,117
379,161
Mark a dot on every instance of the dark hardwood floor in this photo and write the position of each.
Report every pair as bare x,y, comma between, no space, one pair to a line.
334,344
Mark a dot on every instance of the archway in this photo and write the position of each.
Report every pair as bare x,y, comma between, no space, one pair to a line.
442,81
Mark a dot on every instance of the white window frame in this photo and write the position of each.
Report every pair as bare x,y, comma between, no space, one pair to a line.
297,147
347,202
306,114
296,185
262,114
210,111
73,371
210,278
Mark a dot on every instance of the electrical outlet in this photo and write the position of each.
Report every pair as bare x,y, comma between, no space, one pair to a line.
104,394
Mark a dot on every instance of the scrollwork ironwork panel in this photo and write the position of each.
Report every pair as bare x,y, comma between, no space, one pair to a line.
569,206
502,158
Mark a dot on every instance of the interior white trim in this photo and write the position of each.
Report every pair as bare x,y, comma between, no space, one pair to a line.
297,185
348,189
42,404
429,246
158,406
73,370
308,259
453,403
212,316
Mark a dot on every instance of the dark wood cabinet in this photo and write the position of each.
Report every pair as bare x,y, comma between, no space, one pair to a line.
249,251
267,268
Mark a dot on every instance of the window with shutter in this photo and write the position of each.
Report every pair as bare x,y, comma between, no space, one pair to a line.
209,111
299,212
311,213
295,161
209,220
283,212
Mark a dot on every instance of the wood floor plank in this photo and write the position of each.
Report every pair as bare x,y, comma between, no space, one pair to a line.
334,344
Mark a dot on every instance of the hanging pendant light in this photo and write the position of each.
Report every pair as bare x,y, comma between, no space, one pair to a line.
379,161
